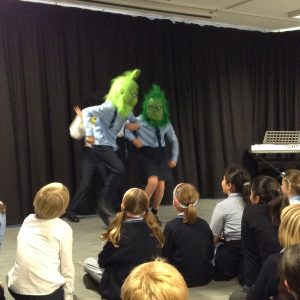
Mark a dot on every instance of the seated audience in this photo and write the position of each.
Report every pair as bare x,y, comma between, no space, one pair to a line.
156,280
290,185
226,223
260,224
289,234
134,237
290,271
43,268
189,244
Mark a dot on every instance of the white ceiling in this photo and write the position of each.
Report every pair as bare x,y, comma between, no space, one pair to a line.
263,15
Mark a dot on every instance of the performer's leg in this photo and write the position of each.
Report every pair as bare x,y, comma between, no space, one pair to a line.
155,190
151,186
87,171
115,171
158,194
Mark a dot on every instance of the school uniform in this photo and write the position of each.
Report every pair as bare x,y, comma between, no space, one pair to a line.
152,160
89,167
295,199
267,281
190,248
44,263
226,222
105,130
137,245
259,240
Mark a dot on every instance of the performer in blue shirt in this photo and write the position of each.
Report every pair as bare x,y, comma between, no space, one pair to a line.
150,140
102,123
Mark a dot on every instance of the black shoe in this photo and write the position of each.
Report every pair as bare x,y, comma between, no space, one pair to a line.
89,283
71,216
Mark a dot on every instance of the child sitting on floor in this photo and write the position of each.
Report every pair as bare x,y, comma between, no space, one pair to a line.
44,267
156,280
290,185
134,237
193,262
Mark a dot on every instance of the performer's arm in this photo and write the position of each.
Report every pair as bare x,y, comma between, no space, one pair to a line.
76,128
87,115
131,126
175,147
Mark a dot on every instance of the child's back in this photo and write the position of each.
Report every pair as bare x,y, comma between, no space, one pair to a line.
43,265
133,238
189,242
137,245
190,248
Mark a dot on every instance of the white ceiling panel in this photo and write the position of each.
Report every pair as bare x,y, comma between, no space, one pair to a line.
263,15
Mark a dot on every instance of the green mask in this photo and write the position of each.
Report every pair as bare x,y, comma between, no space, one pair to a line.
123,92
155,108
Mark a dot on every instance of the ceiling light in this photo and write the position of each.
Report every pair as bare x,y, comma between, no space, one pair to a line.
294,14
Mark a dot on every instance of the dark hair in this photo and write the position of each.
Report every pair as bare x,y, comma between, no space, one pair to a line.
290,270
94,98
269,191
240,178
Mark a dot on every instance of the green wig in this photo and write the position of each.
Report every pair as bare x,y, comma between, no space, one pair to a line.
123,92
155,107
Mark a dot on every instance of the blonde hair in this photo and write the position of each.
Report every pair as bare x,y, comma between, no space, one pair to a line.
51,201
187,196
289,229
292,178
156,280
135,202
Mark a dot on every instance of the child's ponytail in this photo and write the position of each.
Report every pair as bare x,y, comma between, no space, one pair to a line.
113,232
153,225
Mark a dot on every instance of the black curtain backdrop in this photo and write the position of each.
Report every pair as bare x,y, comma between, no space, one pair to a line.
225,88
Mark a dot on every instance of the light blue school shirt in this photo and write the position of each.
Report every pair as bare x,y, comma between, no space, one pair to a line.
146,133
104,134
2,227
295,199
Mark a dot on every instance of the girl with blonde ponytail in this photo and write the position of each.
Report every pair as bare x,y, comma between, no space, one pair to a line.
133,238
189,242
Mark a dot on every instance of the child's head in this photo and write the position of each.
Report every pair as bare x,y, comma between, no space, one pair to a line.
236,180
185,198
156,280
266,190
135,202
51,201
291,183
290,270
134,205
289,229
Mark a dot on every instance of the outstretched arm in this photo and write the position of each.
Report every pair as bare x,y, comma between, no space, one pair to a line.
76,128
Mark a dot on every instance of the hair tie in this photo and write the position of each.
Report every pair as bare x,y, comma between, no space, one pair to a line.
134,216
246,183
185,206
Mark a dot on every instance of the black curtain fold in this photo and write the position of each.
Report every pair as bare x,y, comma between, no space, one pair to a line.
225,88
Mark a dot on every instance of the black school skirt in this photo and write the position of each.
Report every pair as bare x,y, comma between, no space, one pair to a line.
153,162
